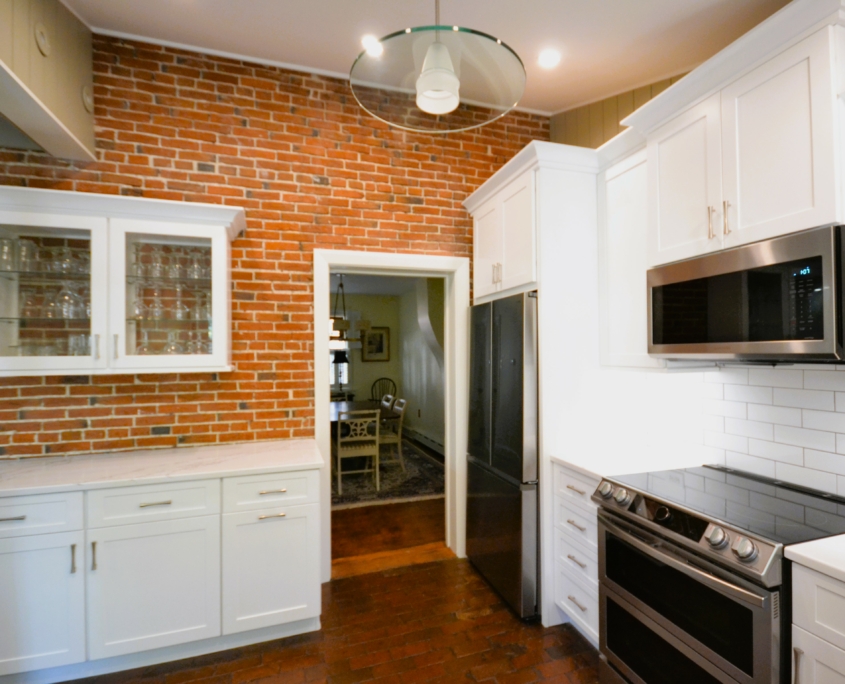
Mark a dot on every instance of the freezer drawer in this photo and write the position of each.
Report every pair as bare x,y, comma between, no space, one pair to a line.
502,536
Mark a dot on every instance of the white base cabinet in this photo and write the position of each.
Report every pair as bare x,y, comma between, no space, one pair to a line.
815,661
152,585
42,601
818,630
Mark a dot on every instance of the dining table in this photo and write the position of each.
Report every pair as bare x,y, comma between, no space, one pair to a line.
338,407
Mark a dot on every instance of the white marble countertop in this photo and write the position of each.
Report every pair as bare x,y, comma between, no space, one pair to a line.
97,471
824,555
598,465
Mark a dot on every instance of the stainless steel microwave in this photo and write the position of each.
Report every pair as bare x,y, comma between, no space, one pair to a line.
775,300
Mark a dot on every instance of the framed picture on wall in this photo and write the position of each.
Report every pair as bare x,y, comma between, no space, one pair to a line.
376,345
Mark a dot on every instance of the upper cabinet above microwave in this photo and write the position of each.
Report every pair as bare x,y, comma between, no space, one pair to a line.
752,161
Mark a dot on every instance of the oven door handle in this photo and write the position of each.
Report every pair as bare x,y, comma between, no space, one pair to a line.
717,583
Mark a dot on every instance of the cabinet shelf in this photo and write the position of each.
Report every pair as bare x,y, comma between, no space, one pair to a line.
196,283
9,319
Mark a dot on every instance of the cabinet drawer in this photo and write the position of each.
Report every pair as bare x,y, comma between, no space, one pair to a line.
574,486
579,562
254,492
818,661
819,604
577,522
127,505
578,602
40,513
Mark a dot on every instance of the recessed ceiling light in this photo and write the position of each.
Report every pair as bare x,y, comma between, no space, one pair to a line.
372,45
549,58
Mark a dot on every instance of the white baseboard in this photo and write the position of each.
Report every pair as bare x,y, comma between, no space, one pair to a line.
423,439
156,656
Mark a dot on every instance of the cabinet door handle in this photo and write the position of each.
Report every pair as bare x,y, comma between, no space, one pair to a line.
273,491
577,562
798,653
725,206
116,337
265,517
500,273
93,555
575,601
97,347
73,559
575,489
576,525
17,518
155,503
494,273
710,211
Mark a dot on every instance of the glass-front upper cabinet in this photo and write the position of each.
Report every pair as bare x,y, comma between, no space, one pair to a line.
175,310
52,293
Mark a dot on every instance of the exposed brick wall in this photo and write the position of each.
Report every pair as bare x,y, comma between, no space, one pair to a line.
312,171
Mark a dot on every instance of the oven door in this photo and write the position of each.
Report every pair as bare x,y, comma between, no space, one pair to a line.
668,616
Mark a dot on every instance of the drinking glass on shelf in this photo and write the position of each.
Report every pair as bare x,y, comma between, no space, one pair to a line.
28,256
155,308
201,310
173,345
77,345
63,261
145,348
28,304
137,267
179,311
83,261
195,267
68,303
193,346
83,292
156,269
137,309
174,264
49,306
8,261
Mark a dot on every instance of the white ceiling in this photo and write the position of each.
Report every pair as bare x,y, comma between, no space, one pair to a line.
608,46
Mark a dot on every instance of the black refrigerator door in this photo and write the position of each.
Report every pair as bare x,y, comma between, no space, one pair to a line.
502,536
480,382
507,392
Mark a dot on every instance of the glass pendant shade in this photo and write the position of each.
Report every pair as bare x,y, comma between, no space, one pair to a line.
438,79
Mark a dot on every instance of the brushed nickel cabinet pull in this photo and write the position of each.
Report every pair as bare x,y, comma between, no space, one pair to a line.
575,601
575,489
155,503
494,272
576,525
17,518
277,515
576,561
272,491
710,211
93,555
116,337
73,559
798,653
725,206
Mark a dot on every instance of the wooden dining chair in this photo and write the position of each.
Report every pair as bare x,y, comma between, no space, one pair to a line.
393,433
387,401
381,387
357,437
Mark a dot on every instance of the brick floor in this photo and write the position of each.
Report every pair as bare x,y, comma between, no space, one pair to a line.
438,622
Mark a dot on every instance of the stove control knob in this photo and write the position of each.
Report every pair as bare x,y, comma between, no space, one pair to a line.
606,490
718,538
622,497
745,550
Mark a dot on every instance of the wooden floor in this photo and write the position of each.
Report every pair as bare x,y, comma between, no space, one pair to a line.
387,527
438,622
389,560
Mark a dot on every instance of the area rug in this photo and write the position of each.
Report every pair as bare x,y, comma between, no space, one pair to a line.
423,476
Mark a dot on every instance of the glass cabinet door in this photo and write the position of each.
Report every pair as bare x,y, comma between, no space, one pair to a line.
170,305
53,302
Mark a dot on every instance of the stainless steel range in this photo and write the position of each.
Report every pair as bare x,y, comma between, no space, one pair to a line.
693,584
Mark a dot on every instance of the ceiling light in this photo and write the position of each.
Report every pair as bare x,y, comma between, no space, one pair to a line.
372,45
549,58
437,79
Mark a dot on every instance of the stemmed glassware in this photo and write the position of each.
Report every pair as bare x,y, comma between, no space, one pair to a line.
155,308
28,306
179,310
156,268
173,345
145,348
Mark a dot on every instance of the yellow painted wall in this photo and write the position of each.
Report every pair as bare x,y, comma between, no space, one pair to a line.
381,311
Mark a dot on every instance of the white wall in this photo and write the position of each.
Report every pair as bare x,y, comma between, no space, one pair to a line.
383,312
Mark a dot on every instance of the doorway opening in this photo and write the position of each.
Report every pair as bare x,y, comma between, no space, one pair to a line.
398,326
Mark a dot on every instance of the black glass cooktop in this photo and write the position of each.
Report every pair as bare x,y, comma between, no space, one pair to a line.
777,511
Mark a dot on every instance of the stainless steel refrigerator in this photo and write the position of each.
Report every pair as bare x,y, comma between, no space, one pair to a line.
502,499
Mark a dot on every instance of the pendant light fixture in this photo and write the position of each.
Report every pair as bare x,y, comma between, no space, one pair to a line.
340,324
437,79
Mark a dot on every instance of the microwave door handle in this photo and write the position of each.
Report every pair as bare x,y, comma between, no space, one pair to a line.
717,583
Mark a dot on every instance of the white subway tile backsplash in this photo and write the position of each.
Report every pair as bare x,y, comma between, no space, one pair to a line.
840,444
806,477
780,415
713,423
813,439
749,428
824,380
841,485
721,440
808,399
755,395
752,464
840,401
714,391
824,420
776,377
823,460
728,376
776,452
733,409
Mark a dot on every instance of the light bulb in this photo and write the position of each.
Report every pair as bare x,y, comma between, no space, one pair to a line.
438,86
372,45
549,58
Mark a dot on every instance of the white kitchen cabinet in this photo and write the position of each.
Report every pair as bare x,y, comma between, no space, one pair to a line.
815,661
270,566
685,169
152,584
42,601
505,242
623,261
86,289
753,161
